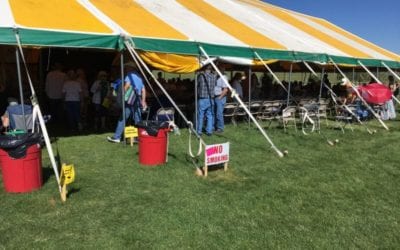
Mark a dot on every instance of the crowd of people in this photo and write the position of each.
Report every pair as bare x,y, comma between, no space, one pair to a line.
76,103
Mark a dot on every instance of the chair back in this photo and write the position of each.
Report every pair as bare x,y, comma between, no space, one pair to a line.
165,114
17,118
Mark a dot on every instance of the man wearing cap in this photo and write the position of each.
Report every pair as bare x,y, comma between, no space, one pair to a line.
132,80
206,81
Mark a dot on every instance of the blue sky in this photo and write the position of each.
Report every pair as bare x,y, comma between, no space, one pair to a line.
377,21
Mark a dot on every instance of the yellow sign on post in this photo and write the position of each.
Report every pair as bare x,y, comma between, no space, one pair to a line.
131,132
67,177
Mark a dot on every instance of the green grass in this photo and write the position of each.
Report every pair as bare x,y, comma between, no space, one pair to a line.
346,196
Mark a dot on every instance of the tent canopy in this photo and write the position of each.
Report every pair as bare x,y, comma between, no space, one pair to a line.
171,31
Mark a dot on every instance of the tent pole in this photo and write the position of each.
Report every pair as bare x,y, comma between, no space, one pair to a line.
249,80
334,97
359,96
273,75
391,71
354,75
234,94
270,71
195,100
36,110
290,83
21,93
321,85
139,61
375,78
123,93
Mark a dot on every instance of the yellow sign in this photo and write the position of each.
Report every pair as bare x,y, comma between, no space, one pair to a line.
67,174
131,132
67,177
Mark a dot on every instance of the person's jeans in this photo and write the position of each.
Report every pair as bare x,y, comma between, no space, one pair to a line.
74,114
219,112
205,108
129,110
56,110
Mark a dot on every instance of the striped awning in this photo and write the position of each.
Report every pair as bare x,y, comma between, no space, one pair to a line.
230,28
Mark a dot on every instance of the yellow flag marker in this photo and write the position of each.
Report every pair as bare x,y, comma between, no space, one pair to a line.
131,132
67,177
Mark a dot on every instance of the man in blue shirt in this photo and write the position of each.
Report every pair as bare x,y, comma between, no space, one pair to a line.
134,82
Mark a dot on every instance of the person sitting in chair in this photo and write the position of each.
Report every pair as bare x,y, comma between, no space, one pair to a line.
17,116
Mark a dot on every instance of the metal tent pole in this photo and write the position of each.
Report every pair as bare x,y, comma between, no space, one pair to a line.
235,95
334,98
123,93
21,93
37,113
250,83
290,84
375,78
359,96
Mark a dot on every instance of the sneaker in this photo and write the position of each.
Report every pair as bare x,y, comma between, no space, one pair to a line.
219,131
209,134
112,139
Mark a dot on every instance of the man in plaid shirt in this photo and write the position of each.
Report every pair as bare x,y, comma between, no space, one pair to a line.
205,105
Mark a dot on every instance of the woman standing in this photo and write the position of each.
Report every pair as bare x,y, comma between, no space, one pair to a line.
72,96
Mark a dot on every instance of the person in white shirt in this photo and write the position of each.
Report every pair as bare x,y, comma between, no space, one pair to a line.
72,96
220,91
54,83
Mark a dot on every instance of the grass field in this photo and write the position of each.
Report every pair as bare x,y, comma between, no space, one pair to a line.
319,196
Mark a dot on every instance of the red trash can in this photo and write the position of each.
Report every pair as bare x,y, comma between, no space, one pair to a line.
24,174
153,149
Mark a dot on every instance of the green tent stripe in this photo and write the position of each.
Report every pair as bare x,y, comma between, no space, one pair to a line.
79,40
7,36
59,39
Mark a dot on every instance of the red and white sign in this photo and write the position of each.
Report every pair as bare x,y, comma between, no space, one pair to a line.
217,153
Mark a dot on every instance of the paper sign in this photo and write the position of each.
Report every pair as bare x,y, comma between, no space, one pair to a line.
131,132
217,153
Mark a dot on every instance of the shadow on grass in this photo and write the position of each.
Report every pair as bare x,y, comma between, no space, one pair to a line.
73,191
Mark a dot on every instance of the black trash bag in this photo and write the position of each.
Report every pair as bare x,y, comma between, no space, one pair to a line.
17,145
152,127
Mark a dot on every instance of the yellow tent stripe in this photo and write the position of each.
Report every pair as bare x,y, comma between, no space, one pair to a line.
136,20
355,38
288,18
230,25
56,14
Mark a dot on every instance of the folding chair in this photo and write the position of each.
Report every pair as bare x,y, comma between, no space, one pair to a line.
268,112
239,112
289,115
229,111
343,117
165,114
17,118
255,108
